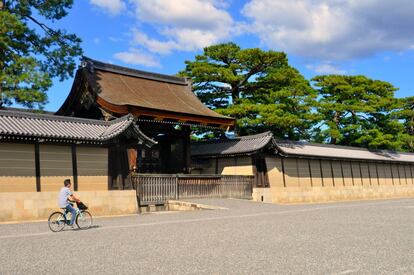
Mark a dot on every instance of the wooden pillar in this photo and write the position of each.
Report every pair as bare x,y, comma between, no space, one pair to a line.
283,171
110,168
256,175
265,172
310,172
139,160
74,168
320,167
115,167
119,167
124,163
37,167
260,170
187,149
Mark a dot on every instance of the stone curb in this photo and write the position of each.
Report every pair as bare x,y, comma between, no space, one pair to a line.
194,206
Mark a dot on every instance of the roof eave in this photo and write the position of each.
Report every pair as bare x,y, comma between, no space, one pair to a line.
283,153
127,123
221,122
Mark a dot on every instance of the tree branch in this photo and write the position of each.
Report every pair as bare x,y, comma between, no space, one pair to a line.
48,30
248,75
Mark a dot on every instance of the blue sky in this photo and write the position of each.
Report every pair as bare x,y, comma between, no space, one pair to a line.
369,37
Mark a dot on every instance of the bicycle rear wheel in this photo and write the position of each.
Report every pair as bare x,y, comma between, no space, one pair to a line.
84,219
57,221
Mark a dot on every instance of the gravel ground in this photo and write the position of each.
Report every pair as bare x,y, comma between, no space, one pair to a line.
372,237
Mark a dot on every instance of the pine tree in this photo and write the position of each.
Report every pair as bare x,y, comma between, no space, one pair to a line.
32,53
357,111
406,114
256,87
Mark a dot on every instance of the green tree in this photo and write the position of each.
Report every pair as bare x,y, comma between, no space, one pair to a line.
406,114
357,111
31,52
258,88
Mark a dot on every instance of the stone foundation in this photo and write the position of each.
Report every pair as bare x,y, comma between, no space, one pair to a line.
331,194
29,206
173,205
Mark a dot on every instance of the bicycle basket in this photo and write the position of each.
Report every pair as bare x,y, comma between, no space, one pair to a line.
81,206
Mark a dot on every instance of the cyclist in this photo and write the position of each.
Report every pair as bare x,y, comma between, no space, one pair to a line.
66,198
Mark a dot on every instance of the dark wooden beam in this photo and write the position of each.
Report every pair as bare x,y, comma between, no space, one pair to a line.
283,172
320,167
74,168
310,172
37,165
187,149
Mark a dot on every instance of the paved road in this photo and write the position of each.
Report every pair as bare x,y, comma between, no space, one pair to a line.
374,237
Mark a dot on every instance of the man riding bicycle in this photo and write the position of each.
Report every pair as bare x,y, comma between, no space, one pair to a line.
66,198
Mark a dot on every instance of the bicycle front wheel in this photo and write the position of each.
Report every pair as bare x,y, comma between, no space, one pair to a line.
57,221
84,220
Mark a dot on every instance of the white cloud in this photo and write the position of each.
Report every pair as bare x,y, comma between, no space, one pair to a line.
137,57
114,7
333,29
185,25
325,68
200,14
162,47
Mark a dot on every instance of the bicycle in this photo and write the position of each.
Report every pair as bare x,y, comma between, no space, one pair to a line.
58,220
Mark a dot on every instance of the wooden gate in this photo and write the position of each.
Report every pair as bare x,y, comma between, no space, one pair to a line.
157,189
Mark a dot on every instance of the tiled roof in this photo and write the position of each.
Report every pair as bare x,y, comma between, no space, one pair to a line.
14,109
58,128
340,152
98,65
235,146
123,88
249,144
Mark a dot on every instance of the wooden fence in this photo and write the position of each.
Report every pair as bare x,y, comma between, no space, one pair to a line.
157,189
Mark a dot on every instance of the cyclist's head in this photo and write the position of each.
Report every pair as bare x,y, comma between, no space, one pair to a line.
66,182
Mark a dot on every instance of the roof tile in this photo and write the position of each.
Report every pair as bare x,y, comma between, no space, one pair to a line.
239,145
27,124
249,144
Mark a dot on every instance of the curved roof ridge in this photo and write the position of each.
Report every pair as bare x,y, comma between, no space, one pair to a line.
32,115
99,65
116,126
301,148
223,140
216,140
235,146
146,138
128,117
267,133
57,128
341,147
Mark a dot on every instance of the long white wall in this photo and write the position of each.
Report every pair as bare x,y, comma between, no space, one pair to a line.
306,180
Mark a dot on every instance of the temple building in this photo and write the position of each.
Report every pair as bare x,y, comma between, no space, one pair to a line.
163,106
